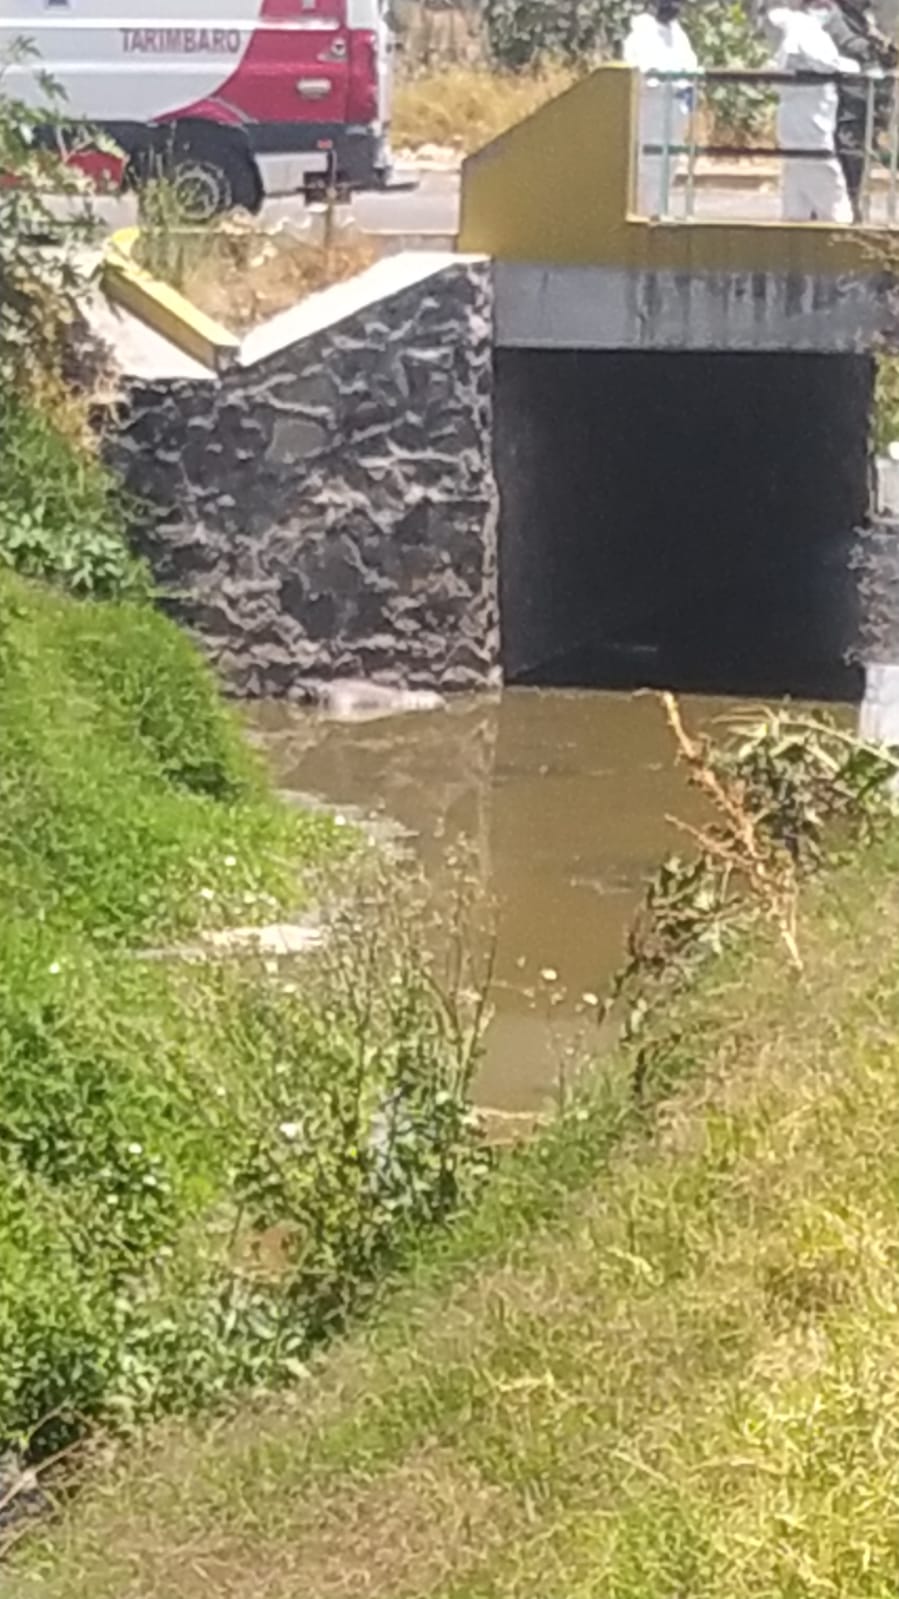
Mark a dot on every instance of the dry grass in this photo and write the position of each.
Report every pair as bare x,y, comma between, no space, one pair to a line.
464,107
241,274
663,1359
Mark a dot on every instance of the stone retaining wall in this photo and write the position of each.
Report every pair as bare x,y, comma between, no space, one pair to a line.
328,507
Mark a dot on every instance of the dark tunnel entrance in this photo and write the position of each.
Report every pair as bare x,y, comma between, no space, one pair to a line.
682,519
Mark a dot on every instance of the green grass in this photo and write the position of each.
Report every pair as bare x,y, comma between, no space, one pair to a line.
661,1359
140,1099
130,809
61,512
207,1158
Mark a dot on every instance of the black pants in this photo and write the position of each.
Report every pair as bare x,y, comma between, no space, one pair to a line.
853,164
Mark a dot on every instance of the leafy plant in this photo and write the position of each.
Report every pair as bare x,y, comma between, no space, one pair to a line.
723,36
61,517
61,514
524,33
886,401
41,287
784,792
218,1162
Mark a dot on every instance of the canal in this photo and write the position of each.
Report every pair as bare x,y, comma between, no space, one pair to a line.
565,798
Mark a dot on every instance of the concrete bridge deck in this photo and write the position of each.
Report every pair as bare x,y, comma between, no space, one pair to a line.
553,202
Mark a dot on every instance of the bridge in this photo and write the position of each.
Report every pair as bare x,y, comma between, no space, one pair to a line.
553,203
682,415
676,414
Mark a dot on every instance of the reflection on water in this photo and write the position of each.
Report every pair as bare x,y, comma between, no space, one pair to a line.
565,797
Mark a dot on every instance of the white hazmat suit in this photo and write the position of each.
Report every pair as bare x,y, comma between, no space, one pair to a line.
655,46
813,190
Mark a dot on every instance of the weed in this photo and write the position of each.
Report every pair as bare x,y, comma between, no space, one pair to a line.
160,1118
61,515
660,1357
41,289
784,793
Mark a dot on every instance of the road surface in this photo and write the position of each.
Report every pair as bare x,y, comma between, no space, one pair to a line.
433,207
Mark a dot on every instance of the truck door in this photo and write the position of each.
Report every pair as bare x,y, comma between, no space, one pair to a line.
296,67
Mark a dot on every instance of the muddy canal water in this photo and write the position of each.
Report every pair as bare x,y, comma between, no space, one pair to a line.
565,797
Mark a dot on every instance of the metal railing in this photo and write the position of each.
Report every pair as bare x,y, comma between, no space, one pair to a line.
755,93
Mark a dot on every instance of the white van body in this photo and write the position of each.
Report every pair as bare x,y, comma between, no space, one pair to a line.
267,93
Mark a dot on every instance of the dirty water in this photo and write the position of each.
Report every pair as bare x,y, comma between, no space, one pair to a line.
565,797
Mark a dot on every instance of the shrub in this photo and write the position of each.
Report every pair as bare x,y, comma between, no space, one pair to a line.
40,289
523,33
61,514
61,517
203,1169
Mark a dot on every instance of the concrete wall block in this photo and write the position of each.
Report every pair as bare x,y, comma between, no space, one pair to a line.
886,486
332,510
876,564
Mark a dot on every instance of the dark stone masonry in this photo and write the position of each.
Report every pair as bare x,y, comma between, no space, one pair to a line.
330,510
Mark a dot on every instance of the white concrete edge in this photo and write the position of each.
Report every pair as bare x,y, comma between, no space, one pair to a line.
329,307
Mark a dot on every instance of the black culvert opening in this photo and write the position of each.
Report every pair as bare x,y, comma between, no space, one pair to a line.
681,518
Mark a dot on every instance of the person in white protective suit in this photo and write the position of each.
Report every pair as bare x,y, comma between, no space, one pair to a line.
656,42
814,190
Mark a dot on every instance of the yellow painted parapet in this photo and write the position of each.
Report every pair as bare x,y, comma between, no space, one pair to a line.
559,189
557,186
162,307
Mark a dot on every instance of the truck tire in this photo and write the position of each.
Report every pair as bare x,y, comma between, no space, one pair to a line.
212,174
208,185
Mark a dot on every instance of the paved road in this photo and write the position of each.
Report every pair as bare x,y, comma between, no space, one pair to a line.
433,207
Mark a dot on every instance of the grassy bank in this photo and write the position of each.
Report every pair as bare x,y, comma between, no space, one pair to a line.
130,807
203,1163
660,1359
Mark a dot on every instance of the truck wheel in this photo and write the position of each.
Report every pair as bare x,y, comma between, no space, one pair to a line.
207,185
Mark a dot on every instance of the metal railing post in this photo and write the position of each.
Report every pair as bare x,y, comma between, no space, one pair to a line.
665,174
662,149
869,141
893,151
690,189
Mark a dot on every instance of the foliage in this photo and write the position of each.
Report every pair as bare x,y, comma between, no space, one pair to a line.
216,1163
723,36
128,807
61,514
886,401
785,793
203,1162
40,287
523,33
660,1357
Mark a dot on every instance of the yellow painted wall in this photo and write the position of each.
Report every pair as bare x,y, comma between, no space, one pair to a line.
559,187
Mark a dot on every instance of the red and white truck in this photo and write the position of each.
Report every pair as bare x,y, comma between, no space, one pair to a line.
234,99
